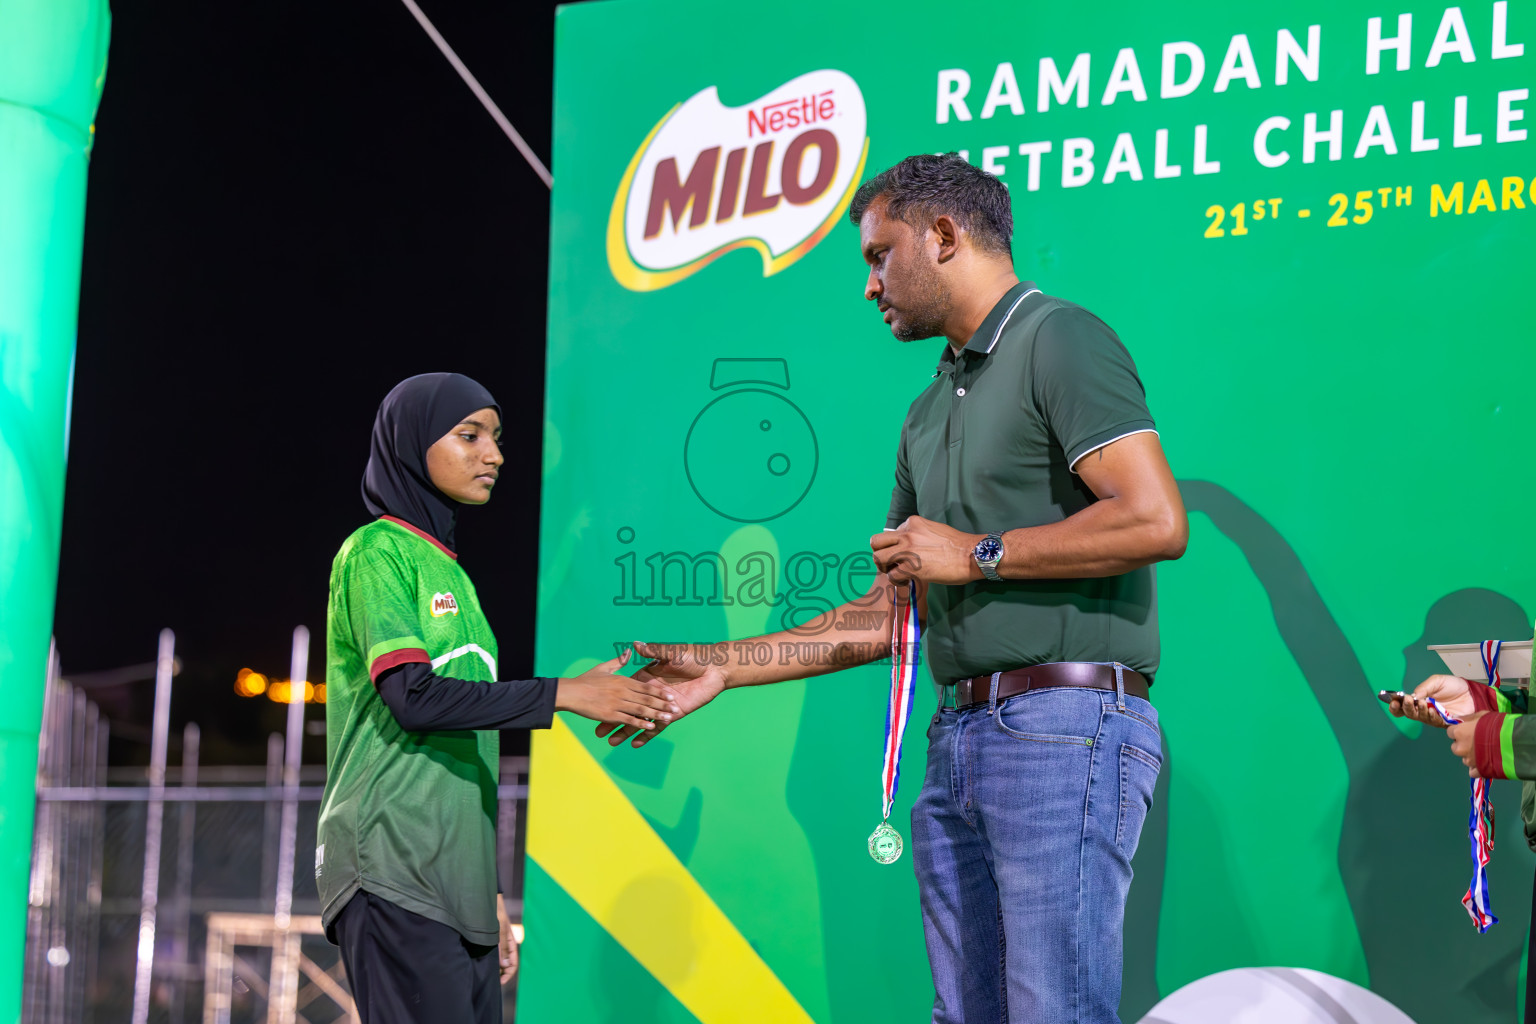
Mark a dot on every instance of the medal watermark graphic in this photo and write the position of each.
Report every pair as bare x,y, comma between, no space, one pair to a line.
750,455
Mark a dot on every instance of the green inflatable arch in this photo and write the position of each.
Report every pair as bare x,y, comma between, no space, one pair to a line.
53,61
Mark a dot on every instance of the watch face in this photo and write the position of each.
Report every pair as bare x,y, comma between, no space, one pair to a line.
990,549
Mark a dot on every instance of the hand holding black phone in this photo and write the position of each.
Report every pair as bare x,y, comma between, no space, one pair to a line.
1388,696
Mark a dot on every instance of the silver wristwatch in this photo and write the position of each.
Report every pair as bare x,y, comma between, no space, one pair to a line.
988,553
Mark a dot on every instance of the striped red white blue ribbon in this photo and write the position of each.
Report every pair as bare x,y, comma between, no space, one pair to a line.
1490,651
904,641
1480,829
1480,820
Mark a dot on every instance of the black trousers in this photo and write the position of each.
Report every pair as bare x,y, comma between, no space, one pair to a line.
1530,966
408,969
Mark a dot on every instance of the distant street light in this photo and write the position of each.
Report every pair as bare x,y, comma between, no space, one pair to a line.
250,683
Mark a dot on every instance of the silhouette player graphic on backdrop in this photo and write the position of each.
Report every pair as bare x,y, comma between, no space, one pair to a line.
1403,849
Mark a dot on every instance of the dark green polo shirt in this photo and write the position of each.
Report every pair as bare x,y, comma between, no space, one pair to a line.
990,445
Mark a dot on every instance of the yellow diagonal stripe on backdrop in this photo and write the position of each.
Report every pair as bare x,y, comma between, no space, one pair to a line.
592,841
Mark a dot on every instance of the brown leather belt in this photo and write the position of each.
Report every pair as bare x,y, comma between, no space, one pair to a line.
978,689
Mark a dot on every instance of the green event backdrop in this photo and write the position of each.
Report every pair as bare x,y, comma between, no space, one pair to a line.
1344,396
53,56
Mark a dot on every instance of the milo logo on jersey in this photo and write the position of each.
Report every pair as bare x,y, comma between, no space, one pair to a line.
444,604
772,175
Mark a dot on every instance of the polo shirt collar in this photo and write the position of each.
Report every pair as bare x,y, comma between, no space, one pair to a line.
991,330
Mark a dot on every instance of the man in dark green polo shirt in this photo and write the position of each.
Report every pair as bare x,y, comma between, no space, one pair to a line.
1031,499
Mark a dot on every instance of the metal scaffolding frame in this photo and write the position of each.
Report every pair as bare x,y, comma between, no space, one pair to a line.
223,964
84,807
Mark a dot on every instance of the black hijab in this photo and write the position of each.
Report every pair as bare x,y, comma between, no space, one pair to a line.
412,417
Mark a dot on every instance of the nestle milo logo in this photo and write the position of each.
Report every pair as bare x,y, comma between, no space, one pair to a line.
773,175
792,113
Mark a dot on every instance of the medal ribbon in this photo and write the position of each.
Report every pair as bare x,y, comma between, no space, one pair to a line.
904,640
1480,820
1490,651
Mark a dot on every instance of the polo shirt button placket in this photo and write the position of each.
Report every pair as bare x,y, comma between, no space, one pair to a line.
957,430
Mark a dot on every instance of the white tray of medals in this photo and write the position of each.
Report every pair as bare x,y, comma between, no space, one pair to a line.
1466,660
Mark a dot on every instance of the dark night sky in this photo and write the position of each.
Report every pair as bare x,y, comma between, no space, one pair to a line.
291,207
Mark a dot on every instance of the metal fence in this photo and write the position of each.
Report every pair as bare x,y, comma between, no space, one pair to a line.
161,899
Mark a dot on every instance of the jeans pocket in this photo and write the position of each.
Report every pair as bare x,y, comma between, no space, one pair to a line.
1051,716
1138,778
1144,715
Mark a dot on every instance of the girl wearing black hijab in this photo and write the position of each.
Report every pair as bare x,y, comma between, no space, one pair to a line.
406,854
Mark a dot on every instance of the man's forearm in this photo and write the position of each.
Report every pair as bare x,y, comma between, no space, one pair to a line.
855,633
1107,538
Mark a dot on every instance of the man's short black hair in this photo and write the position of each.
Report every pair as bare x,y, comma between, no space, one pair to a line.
924,186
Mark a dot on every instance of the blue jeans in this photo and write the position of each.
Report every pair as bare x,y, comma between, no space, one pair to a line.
1022,840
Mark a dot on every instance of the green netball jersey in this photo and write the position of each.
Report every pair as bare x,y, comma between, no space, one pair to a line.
410,817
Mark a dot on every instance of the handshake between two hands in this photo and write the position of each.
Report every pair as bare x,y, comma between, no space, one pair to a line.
679,679
1455,695
669,686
